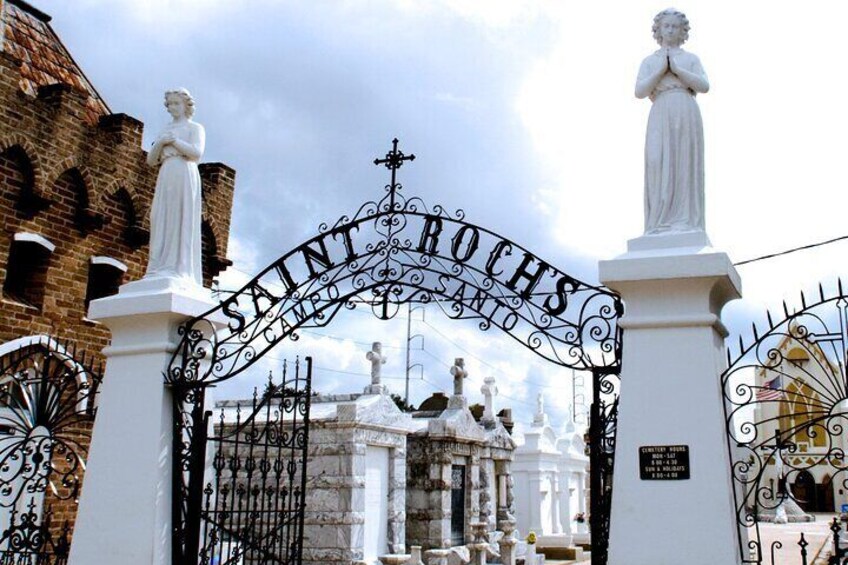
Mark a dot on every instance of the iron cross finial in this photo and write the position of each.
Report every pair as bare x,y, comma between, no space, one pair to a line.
393,160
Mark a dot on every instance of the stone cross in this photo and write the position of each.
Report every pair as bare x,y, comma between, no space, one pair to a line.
540,419
569,423
489,390
377,360
458,371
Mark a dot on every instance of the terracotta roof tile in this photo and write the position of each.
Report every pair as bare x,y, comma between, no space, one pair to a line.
29,38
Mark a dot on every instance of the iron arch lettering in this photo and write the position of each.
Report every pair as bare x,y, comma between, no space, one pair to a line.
397,251
391,252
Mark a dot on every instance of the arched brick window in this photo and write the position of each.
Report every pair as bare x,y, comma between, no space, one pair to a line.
105,275
26,271
17,181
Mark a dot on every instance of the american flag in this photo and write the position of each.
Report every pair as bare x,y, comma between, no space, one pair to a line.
771,390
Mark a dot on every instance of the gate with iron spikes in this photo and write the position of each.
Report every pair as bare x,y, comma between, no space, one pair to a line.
48,395
390,253
786,408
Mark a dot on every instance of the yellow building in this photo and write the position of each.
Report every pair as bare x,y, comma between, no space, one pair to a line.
801,397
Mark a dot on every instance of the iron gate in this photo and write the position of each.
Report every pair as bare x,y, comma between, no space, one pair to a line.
603,417
47,407
244,489
393,252
786,411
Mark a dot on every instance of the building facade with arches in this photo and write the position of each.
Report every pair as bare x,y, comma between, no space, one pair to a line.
792,406
75,194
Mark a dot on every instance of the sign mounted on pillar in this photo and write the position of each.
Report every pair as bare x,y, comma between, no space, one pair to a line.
664,462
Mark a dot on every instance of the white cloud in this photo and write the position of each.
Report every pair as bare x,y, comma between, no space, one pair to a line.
489,13
297,96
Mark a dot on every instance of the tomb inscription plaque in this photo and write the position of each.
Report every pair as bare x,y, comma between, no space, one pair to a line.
664,462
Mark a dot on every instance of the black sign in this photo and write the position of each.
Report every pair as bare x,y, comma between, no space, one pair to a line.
664,462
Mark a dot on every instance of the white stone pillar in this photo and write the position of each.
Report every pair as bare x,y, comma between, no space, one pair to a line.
581,502
565,501
534,485
671,395
125,507
556,527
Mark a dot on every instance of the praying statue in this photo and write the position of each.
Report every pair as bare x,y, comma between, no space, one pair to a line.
175,215
674,144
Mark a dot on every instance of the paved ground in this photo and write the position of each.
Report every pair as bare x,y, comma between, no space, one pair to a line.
817,534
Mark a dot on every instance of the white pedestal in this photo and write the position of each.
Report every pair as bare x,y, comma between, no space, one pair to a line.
125,508
671,395
554,540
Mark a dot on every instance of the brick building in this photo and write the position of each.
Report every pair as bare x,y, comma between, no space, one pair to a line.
75,192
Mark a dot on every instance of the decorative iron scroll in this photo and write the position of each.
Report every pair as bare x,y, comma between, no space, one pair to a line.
248,505
786,408
603,418
393,252
47,405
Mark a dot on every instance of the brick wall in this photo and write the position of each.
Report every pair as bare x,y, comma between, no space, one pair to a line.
88,190
97,189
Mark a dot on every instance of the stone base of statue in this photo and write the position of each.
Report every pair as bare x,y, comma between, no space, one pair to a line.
159,284
694,240
671,401
125,508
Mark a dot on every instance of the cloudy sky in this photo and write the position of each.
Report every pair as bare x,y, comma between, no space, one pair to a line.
520,112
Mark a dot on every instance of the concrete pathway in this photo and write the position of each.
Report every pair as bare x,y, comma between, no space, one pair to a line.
816,533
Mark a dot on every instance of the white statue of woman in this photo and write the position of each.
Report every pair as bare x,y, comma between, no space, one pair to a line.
674,145
175,215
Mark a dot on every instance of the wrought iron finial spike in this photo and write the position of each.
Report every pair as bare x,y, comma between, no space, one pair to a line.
821,292
741,345
770,320
803,301
839,281
785,309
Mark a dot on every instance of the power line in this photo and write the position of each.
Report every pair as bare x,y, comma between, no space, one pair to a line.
737,264
448,365
434,385
360,374
494,368
788,251
338,338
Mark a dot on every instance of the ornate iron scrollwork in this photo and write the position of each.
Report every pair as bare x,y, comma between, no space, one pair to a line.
603,418
786,408
391,252
252,504
395,251
47,404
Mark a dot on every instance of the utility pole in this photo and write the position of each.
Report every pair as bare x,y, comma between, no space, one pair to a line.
408,332
409,338
578,397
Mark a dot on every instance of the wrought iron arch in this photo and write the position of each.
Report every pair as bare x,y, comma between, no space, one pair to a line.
391,252
394,251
